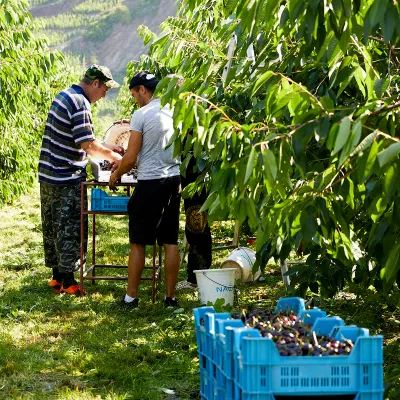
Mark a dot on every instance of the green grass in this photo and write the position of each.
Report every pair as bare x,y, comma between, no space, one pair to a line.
62,347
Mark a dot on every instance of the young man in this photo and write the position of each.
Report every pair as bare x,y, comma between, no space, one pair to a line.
154,206
68,139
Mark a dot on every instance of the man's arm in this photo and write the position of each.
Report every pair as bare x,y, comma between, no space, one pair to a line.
114,147
129,159
96,149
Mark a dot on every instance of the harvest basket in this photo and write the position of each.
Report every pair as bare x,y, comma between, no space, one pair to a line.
241,365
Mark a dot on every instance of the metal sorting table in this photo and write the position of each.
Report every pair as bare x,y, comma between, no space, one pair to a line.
90,273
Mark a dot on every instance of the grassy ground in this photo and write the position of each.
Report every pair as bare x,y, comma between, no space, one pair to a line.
63,347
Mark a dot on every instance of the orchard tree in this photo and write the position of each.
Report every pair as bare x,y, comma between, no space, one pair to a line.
30,74
294,111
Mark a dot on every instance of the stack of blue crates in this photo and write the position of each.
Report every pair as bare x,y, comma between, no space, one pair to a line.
236,363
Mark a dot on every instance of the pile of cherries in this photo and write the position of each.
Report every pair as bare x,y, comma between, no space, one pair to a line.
292,337
106,166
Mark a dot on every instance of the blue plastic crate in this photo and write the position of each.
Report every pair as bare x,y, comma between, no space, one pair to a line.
215,333
101,201
262,373
206,386
254,370
295,304
222,352
208,324
203,322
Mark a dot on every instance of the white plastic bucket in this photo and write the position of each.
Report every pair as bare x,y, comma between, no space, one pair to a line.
214,284
242,259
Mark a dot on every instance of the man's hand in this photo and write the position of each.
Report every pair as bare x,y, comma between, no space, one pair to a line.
114,166
114,179
117,149
98,150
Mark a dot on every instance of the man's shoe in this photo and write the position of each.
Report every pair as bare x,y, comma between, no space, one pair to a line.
73,289
185,285
170,302
55,284
129,305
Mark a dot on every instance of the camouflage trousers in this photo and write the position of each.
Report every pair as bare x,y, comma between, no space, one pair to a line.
61,226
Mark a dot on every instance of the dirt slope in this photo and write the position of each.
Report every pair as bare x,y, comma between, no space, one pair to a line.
121,46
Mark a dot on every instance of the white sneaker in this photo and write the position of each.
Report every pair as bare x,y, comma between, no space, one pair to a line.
185,285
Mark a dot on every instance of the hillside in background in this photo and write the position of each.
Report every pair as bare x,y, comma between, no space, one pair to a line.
101,31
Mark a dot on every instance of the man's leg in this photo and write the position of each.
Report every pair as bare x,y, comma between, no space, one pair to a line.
199,256
66,210
198,235
135,268
49,234
171,268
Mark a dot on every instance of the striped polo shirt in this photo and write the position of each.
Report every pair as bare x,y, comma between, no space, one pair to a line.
69,123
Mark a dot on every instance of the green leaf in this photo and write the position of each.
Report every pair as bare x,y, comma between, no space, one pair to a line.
270,163
326,47
252,212
347,7
389,154
350,194
359,75
366,163
327,102
210,199
250,165
390,182
260,81
352,142
380,86
391,265
343,134
389,23
366,142
185,164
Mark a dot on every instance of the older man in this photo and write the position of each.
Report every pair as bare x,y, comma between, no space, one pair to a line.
68,139
154,206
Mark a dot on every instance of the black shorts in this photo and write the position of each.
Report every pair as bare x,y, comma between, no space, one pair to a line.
154,211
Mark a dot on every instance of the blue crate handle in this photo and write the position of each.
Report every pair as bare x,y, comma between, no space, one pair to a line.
242,333
221,325
352,332
324,326
199,314
295,304
309,316
211,317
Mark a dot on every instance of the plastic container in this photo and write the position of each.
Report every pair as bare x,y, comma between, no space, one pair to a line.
262,373
238,364
101,201
214,284
104,176
242,259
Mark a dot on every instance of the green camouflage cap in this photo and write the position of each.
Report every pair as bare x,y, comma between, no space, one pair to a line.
103,74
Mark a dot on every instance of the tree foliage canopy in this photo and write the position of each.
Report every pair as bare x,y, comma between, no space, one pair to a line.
30,74
301,138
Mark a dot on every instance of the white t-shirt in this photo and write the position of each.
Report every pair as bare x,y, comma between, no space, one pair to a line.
156,125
